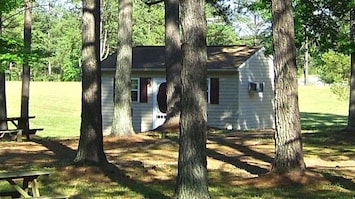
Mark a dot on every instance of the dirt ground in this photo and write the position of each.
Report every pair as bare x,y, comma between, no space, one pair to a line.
147,157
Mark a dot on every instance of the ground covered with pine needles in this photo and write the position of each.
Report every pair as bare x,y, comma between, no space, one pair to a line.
145,166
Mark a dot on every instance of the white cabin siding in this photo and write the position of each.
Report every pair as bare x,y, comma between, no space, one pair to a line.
238,108
107,102
142,112
225,113
256,108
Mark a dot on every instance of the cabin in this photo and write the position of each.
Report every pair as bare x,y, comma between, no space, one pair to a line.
240,88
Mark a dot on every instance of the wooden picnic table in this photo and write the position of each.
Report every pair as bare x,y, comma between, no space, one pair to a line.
17,120
21,123
29,179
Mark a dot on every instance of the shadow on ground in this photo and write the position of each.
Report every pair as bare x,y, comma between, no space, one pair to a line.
322,122
146,166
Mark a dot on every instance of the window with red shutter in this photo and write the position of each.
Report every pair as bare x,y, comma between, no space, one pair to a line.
143,89
214,87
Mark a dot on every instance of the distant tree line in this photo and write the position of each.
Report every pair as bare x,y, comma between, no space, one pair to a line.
56,36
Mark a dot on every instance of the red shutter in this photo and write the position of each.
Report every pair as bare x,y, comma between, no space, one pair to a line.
143,92
114,88
214,96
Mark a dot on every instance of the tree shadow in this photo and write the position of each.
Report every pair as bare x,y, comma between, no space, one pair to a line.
119,176
235,161
254,169
110,170
322,122
340,180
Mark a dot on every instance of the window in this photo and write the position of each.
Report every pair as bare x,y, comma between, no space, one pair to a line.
213,90
134,89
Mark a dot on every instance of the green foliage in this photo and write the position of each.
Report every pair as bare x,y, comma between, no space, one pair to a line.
10,50
56,34
219,31
334,69
221,34
8,5
341,91
148,24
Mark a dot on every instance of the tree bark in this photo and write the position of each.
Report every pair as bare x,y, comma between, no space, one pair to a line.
173,65
288,140
172,61
351,116
122,118
192,162
90,149
306,60
25,91
3,108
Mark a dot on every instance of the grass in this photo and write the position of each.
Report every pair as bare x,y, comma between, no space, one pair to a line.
56,106
145,166
320,110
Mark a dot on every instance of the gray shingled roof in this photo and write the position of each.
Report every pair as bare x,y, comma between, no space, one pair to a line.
152,58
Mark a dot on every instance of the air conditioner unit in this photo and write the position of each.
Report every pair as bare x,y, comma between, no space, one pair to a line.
257,87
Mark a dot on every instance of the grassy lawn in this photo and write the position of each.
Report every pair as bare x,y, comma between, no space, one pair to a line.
145,166
321,110
56,106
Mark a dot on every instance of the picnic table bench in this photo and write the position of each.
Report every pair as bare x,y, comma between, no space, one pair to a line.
16,132
20,130
29,180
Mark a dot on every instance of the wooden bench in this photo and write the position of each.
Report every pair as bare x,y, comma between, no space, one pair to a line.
34,131
29,180
22,123
46,197
16,132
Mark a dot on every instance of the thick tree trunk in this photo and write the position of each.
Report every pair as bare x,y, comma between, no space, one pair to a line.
351,116
90,149
173,65
25,92
288,141
122,118
192,162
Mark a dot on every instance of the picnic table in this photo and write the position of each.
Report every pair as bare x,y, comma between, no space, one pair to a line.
22,126
29,180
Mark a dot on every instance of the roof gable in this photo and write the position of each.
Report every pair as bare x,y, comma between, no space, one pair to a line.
152,58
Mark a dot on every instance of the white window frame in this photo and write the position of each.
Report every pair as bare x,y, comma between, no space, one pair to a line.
135,89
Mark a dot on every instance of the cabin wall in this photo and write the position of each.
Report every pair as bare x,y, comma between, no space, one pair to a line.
142,113
255,109
106,101
224,114
238,108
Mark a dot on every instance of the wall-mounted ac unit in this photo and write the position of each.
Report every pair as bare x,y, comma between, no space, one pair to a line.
257,87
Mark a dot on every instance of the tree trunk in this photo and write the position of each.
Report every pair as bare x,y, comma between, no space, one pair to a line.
306,60
351,116
122,118
172,65
192,162
3,108
25,92
90,149
288,141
